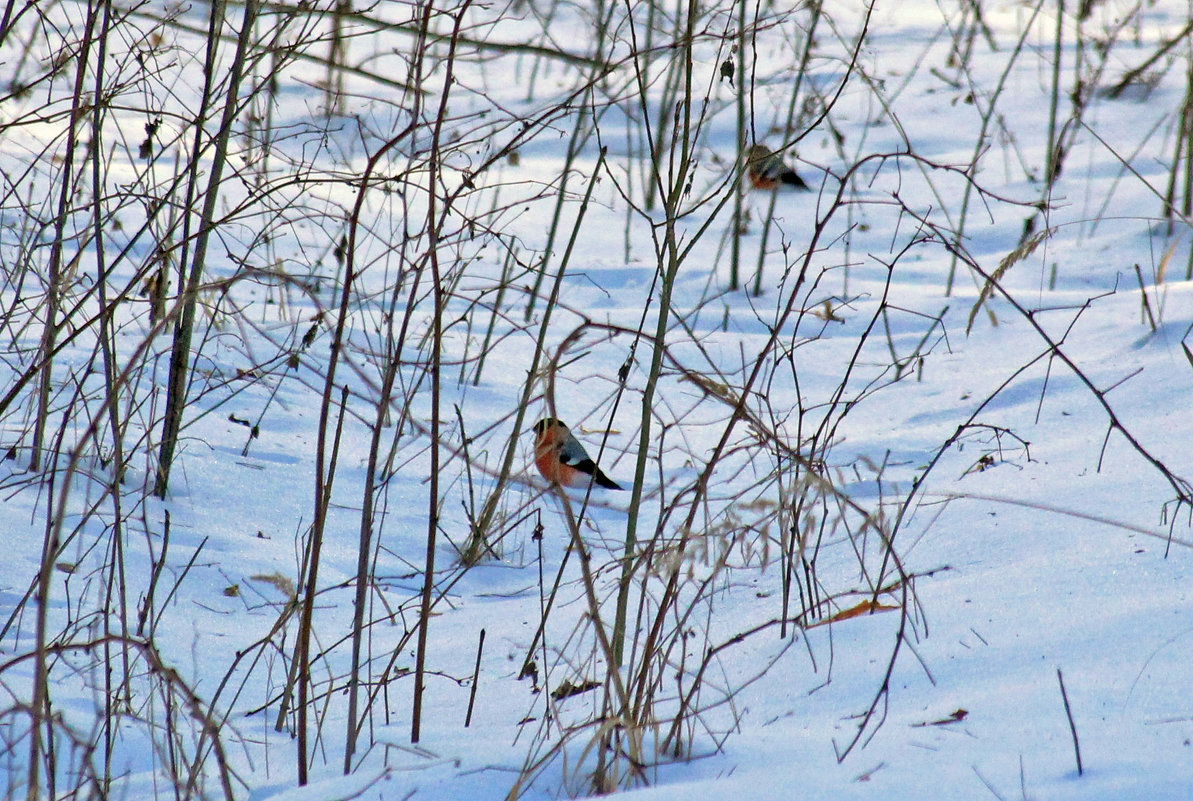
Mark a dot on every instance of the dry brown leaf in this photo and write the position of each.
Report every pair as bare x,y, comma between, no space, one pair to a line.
865,607
957,716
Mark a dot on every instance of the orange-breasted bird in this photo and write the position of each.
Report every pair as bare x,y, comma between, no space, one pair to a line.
561,458
766,170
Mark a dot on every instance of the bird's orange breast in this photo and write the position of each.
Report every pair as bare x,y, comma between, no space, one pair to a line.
557,472
759,180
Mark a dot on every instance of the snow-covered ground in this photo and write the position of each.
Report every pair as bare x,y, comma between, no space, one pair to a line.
963,389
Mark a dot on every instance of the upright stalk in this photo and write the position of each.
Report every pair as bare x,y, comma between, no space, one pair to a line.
670,260
115,584
41,672
433,223
54,277
1050,173
302,656
180,351
743,142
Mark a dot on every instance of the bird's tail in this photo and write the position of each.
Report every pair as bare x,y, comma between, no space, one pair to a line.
791,178
603,480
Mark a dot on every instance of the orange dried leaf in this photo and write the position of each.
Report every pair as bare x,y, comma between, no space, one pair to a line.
865,607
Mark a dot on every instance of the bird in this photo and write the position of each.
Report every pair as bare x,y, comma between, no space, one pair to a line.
767,171
562,460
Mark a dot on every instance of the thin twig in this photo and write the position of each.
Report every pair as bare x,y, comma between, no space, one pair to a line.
1069,714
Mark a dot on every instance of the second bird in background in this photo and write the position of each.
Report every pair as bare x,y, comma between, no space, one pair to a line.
562,460
766,170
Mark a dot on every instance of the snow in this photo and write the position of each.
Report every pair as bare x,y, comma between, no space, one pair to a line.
1039,517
